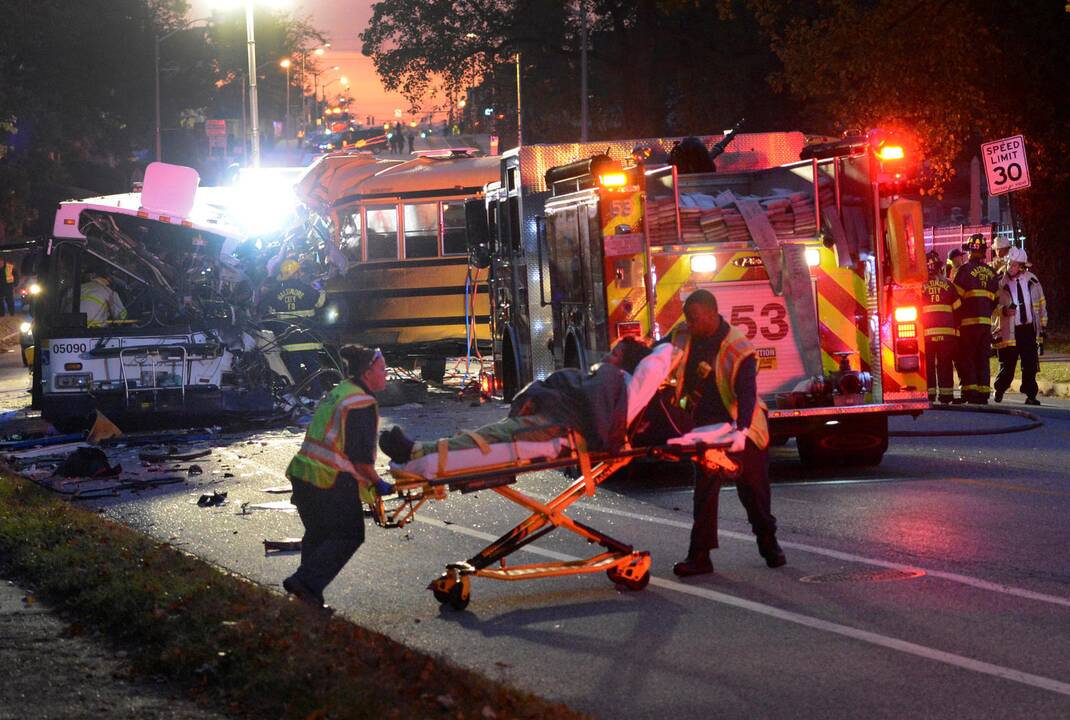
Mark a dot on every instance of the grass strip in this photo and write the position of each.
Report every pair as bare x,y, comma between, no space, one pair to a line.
236,645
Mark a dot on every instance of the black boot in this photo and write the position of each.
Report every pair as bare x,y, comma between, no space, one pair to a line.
769,549
396,445
696,564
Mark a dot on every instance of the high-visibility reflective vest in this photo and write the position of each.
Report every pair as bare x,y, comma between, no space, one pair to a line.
100,304
938,312
977,285
735,348
9,273
322,455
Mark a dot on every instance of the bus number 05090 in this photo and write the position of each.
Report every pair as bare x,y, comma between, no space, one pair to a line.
773,319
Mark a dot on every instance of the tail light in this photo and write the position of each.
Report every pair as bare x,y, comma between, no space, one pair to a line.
907,348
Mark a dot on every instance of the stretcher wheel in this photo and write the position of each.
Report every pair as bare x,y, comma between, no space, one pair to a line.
460,595
632,583
440,588
635,574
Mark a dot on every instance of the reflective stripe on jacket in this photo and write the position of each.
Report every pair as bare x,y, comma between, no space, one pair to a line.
734,349
1003,332
938,312
322,455
977,286
9,273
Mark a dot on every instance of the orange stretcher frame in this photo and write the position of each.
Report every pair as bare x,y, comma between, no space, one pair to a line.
624,565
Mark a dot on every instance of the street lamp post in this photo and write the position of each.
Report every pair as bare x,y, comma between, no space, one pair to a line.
156,48
254,110
285,63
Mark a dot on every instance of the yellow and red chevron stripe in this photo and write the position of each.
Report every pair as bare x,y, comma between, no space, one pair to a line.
841,314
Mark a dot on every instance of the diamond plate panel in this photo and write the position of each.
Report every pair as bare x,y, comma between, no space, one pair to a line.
748,151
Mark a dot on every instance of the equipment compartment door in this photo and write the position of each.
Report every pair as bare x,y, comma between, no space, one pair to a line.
764,317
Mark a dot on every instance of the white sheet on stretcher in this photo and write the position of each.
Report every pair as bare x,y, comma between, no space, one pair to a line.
505,453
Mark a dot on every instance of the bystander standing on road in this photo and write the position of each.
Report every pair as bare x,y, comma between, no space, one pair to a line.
1021,323
976,283
333,471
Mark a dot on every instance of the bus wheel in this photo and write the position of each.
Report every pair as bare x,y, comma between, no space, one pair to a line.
433,370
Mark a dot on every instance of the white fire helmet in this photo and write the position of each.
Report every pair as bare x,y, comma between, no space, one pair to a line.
1001,242
1017,255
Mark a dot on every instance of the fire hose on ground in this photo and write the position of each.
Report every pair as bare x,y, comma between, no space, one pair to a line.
1034,423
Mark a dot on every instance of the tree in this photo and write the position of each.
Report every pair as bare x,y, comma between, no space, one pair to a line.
954,72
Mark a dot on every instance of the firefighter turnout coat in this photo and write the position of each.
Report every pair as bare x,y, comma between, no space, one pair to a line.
941,305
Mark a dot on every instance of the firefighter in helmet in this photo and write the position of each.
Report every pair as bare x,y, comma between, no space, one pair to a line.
941,330
1001,247
977,284
99,301
288,305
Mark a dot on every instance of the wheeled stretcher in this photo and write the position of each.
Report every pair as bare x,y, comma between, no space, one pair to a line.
622,563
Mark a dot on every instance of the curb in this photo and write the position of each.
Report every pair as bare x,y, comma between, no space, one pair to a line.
1047,388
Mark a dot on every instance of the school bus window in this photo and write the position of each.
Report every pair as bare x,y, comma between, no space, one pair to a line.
349,235
454,234
421,230
382,232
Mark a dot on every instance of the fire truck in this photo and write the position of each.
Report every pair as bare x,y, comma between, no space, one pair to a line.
812,246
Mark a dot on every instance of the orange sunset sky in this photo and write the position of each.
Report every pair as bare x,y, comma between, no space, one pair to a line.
341,21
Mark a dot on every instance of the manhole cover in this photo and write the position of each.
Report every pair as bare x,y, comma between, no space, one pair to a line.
863,576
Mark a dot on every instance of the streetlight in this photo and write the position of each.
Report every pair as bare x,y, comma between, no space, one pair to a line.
254,108
160,39
285,64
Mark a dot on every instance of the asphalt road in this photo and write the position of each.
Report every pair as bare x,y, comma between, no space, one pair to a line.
936,585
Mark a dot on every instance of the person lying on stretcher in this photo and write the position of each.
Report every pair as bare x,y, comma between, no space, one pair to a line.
599,406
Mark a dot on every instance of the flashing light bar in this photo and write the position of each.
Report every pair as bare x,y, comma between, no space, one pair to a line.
891,152
614,179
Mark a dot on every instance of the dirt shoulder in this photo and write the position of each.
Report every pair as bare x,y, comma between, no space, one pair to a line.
54,670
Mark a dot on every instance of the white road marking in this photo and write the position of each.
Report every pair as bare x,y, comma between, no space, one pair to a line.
849,557
866,636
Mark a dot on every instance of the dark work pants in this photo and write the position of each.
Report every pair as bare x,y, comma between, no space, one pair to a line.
975,345
301,364
939,357
7,300
1025,347
334,529
752,486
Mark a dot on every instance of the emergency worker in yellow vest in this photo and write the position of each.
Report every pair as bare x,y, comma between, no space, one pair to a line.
100,302
941,331
9,278
718,382
287,305
333,471
977,284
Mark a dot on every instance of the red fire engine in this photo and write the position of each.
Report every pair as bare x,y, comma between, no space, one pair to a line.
808,245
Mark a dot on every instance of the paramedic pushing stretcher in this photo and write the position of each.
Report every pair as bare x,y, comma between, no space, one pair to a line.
717,382
598,405
333,471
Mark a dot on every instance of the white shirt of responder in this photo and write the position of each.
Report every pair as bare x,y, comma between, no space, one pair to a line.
100,304
1019,289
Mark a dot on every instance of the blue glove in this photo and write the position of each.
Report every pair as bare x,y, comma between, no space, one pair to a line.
383,487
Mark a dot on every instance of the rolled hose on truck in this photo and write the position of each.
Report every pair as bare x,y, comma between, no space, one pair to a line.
1033,424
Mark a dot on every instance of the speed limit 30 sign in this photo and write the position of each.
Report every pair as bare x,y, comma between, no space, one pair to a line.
1005,165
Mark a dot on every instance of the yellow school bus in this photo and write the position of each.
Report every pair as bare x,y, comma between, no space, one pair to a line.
400,226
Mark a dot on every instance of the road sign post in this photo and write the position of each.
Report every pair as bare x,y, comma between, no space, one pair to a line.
1007,170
